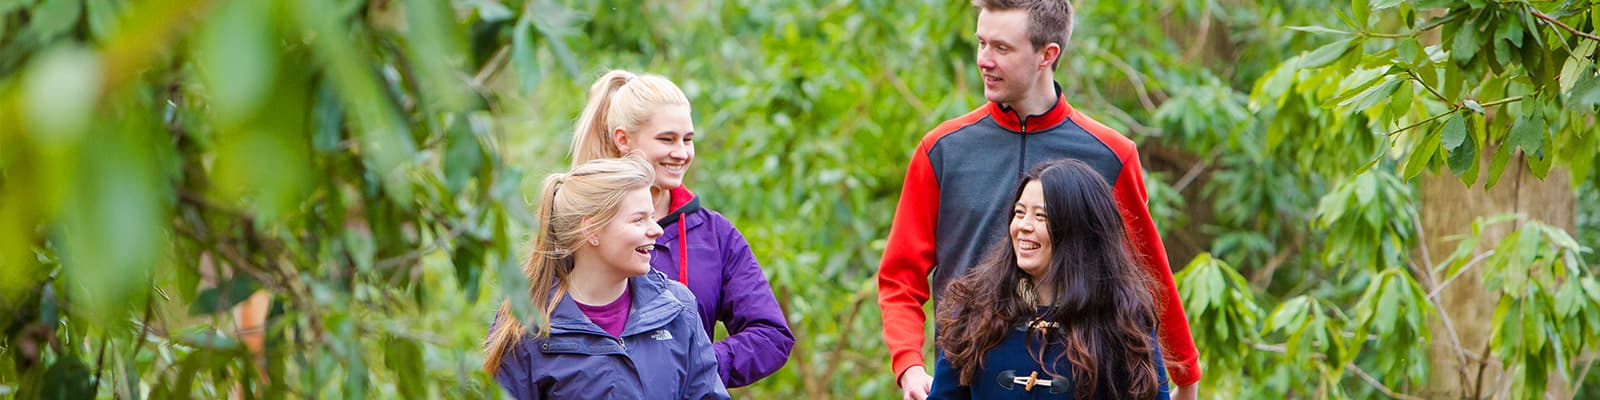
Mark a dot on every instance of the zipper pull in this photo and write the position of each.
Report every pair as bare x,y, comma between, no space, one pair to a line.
622,343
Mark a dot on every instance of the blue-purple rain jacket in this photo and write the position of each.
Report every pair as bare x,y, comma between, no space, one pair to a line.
662,353
729,286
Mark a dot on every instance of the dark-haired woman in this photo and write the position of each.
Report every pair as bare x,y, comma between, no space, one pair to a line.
1059,311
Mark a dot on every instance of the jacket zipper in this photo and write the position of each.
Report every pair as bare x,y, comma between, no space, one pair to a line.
1022,161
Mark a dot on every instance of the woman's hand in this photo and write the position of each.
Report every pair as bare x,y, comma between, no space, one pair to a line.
915,383
1190,392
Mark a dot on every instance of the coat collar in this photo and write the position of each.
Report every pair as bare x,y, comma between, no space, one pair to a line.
1007,117
684,204
653,308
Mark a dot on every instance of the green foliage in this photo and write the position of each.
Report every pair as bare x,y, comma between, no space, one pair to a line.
173,157
362,163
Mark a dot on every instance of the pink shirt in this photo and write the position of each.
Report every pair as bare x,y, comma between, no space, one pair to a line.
610,317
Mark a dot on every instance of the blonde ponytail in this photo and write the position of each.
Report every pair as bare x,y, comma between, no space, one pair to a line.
619,99
571,205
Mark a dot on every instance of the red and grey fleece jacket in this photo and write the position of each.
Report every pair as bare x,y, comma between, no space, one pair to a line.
953,205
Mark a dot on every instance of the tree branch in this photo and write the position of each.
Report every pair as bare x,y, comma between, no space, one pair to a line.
1556,22
1435,92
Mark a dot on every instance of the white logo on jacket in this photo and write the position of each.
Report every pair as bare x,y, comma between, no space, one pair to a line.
661,334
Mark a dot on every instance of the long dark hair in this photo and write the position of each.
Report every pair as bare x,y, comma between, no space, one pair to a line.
1102,299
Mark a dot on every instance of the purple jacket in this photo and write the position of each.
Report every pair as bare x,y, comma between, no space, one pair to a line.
728,284
662,346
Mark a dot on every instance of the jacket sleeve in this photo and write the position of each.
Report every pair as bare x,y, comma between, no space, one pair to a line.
702,381
1174,334
759,339
909,256
947,382
515,375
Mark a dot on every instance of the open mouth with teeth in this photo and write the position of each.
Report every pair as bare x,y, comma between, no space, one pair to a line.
645,249
675,167
1024,244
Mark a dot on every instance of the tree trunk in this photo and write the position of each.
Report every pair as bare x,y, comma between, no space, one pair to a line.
1449,208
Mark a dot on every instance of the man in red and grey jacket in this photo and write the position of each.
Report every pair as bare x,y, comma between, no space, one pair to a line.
952,205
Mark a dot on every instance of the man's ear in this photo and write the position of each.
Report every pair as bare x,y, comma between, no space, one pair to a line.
620,137
1052,52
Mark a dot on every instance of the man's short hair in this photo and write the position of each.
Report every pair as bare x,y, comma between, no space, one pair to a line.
1048,20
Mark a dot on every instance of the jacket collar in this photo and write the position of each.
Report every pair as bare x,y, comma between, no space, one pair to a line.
1007,117
682,203
653,308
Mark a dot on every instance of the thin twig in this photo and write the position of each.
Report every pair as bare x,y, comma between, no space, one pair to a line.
1133,77
1475,260
1374,382
1263,276
1350,366
905,92
1426,259
1435,92
414,255
1430,119
1194,171
1541,15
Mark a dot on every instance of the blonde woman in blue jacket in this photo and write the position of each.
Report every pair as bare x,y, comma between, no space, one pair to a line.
610,323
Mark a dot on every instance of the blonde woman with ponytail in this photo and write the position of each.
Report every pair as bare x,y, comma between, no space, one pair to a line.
648,114
609,323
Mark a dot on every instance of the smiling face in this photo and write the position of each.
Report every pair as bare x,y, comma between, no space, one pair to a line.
625,242
1030,231
667,141
1010,64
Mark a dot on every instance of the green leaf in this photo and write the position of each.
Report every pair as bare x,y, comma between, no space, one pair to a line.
1585,93
1463,159
522,55
435,51
1509,30
1327,53
1359,10
1384,4
469,263
1569,299
224,297
67,378
1498,164
237,59
1454,132
1422,153
463,155
1527,133
102,16
1319,29
1373,95
1388,306
404,357
1400,104
54,17
1465,44
1532,322
1410,52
